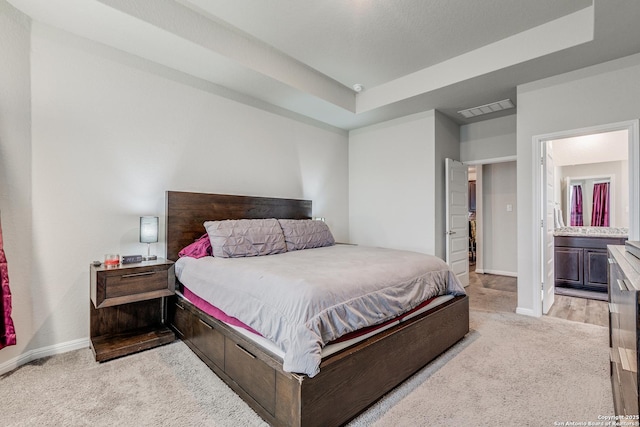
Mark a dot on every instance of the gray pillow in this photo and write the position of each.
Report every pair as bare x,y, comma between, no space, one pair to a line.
306,234
245,237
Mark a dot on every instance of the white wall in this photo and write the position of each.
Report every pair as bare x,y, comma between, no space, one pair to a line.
397,177
15,170
391,184
111,133
499,244
488,140
602,94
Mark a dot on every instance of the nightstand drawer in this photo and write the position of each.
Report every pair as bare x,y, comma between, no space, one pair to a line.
135,283
117,286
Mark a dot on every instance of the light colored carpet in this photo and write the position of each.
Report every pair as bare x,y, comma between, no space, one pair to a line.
509,370
516,371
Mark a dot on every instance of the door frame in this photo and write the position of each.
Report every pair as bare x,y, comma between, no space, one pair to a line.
633,128
480,237
547,254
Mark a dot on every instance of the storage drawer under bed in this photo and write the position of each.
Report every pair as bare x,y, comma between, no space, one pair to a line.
256,378
209,341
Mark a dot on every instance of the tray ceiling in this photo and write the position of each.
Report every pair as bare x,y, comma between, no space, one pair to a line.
303,57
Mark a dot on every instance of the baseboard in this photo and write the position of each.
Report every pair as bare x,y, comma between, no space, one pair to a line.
526,312
39,353
499,272
479,270
12,364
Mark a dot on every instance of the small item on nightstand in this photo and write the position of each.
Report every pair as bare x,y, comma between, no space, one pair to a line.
96,263
131,259
111,260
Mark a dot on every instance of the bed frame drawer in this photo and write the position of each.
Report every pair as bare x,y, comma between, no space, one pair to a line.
181,321
209,341
250,373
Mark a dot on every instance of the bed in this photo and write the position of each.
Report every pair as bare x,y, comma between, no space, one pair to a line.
348,381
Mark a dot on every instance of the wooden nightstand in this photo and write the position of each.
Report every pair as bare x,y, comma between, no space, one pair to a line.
128,307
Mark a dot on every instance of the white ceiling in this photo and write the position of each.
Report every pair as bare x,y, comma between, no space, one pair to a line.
305,56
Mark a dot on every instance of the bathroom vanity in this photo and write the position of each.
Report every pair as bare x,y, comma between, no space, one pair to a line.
580,260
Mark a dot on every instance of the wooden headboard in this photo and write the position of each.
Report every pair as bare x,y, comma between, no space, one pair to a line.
186,213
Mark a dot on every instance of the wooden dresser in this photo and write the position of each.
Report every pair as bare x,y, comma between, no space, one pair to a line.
624,285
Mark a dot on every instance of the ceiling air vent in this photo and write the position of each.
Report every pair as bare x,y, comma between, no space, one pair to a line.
505,104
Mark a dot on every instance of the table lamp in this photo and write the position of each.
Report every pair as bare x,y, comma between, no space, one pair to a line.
149,234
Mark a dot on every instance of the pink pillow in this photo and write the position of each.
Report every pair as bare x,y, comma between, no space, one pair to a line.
198,249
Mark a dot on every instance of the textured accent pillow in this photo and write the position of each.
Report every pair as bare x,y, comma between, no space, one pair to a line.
198,249
236,238
306,234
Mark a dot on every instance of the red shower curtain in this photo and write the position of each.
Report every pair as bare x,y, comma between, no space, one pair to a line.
7,332
576,206
600,213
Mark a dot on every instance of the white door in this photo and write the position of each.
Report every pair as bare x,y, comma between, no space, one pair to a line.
457,219
547,227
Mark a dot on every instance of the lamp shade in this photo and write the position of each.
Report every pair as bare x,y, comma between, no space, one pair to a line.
148,229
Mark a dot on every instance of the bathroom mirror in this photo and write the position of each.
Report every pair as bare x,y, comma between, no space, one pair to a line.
589,201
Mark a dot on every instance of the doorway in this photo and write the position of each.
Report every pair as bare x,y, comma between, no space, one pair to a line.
545,201
494,240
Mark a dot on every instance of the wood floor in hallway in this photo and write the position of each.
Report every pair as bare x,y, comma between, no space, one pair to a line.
490,292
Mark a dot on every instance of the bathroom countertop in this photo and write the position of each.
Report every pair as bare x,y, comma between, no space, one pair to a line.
592,231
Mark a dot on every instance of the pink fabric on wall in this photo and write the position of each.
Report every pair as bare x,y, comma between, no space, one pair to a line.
576,206
600,212
7,331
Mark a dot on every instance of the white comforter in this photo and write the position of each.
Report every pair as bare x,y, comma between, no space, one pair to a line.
303,299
